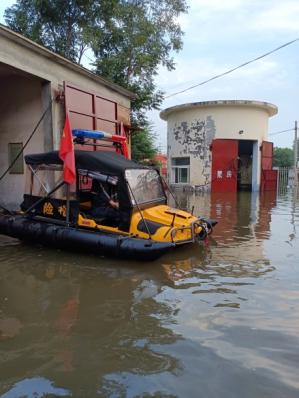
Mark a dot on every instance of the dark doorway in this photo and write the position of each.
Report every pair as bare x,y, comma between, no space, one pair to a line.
244,177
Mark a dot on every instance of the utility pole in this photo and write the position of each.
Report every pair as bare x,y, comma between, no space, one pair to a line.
295,156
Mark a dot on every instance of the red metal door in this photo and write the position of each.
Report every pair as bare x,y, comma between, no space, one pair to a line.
268,176
224,165
88,110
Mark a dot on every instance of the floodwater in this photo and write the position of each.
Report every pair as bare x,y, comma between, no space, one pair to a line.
210,320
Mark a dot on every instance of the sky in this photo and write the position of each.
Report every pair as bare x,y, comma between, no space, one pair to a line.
222,34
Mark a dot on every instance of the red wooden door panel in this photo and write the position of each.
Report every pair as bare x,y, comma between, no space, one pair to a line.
87,109
224,165
267,155
90,111
268,176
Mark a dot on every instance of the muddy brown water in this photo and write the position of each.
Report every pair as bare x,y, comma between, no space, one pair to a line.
214,320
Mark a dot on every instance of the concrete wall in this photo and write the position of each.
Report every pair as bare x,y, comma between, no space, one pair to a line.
30,76
191,135
20,109
18,52
191,129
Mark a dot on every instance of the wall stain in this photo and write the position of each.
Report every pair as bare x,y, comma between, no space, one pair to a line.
195,138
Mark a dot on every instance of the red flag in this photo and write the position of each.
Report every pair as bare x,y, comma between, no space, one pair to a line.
124,143
67,154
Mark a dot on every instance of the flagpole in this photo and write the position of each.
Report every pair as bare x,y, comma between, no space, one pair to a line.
67,155
68,204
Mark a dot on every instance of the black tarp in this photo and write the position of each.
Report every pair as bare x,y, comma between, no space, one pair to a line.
107,162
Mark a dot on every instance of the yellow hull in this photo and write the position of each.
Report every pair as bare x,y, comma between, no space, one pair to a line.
159,223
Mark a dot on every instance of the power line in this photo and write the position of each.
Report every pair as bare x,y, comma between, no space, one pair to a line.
282,131
233,69
86,56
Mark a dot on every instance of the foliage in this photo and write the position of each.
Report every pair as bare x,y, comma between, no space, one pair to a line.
140,37
283,157
130,39
63,26
142,145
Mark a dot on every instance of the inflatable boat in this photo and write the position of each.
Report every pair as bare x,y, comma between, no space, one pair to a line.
54,213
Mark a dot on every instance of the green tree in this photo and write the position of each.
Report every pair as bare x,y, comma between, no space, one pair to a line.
130,39
141,37
283,157
63,26
143,144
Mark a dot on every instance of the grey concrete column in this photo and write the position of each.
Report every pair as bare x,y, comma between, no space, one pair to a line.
47,122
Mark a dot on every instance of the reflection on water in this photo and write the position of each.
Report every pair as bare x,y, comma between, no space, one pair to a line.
214,319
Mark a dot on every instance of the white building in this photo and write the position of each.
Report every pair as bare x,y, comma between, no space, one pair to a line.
220,145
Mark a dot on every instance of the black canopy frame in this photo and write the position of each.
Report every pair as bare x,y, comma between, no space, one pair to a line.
106,162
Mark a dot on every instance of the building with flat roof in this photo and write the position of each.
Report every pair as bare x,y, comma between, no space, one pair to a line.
220,145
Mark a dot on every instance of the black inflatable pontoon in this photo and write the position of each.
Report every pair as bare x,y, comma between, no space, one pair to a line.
97,242
54,213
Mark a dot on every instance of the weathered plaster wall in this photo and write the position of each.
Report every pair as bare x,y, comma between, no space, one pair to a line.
193,138
192,127
20,110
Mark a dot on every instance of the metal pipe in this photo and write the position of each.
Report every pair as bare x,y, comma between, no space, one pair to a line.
170,191
37,177
67,219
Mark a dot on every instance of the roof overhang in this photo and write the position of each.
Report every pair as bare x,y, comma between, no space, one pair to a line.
271,109
44,52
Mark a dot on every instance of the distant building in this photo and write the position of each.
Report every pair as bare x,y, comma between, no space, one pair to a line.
162,160
34,79
220,145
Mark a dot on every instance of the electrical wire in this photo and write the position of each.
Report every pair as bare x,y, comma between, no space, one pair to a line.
233,69
86,56
280,132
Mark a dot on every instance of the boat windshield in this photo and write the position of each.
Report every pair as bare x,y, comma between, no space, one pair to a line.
145,186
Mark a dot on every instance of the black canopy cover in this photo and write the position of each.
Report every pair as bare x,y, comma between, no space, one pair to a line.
106,162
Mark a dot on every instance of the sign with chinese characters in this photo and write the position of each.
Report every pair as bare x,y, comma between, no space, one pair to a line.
56,208
229,174
62,211
219,173
48,209
51,207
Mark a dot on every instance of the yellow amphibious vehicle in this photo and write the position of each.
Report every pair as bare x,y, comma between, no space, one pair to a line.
142,225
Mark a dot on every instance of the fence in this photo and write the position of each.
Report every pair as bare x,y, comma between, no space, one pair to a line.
283,178
286,178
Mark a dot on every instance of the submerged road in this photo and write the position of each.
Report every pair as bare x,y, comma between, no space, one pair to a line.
210,320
